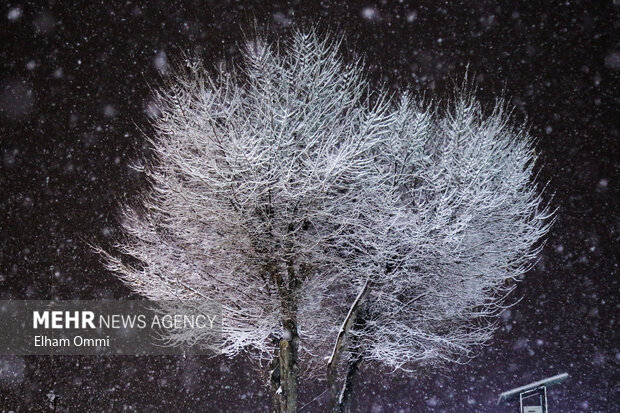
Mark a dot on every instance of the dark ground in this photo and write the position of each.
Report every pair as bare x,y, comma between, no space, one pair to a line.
74,90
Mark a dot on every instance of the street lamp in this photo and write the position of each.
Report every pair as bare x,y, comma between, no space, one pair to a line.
533,396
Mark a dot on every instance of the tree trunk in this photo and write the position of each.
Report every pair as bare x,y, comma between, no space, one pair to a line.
289,369
284,381
347,387
340,346
274,381
342,402
332,387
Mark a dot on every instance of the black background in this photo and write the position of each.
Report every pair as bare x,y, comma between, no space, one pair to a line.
74,95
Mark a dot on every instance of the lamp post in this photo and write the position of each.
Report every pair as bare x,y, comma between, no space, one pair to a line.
532,397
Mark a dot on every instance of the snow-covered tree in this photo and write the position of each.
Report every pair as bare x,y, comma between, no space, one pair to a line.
333,224
462,221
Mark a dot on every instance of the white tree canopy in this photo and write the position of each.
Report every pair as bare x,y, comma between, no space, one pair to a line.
288,186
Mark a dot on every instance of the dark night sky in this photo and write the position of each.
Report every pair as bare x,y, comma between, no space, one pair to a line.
74,92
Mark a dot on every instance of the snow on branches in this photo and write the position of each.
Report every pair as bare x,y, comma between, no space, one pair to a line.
284,189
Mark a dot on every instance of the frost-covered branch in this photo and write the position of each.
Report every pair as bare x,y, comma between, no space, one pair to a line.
293,195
